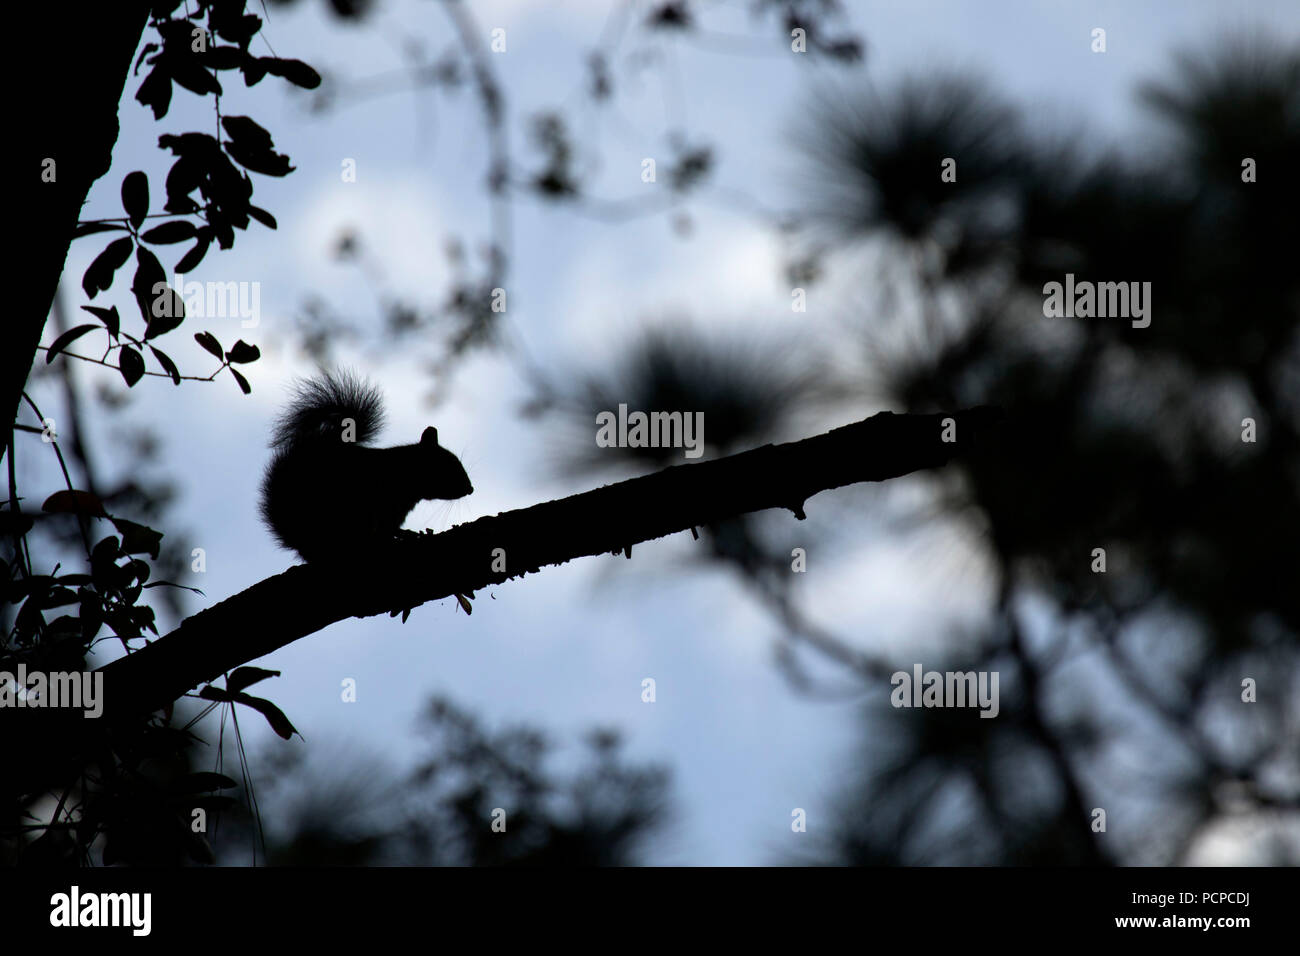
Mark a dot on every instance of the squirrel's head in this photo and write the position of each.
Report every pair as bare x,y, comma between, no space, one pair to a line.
443,474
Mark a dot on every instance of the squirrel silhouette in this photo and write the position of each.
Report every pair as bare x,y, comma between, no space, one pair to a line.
326,493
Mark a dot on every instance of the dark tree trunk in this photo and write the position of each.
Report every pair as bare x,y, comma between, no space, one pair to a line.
68,98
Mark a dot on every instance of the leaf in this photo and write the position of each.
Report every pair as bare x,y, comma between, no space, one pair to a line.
148,48
173,584
90,228
243,353
168,365
210,692
172,310
197,146
210,343
295,71
141,570
239,29
464,603
67,338
243,382
182,179
243,677
156,91
264,161
99,274
57,597
73,502
251,147
188,71
106,550
273,714
176,231
138,538
135,197
221,227
253,71
15,524
262,216
160,306
244,130
92,619
131,364
112,321
196,253
149,274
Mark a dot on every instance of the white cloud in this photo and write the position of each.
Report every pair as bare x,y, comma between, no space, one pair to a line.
727,273
394,213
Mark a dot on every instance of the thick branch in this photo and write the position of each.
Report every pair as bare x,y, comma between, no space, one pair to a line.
306,598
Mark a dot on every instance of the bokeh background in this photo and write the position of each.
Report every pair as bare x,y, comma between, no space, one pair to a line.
776,171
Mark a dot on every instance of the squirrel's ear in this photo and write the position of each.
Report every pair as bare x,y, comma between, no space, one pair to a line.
430,436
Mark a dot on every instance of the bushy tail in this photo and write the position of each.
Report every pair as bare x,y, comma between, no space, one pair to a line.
321,404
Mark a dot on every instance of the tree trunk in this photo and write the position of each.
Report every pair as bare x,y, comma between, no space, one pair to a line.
67,129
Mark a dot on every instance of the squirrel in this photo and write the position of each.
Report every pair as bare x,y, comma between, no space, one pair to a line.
326,494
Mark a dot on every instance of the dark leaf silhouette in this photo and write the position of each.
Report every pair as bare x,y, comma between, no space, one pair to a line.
176,231
167,364
90,228
209,343
130,364
73,502
192,258
66,339
156,92
99,275
295,71
243,677
241,352
135,197
112,321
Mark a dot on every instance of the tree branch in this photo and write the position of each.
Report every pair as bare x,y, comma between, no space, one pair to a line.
306,598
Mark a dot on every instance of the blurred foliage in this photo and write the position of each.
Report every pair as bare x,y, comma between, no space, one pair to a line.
348,809
1122,438
1122,690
